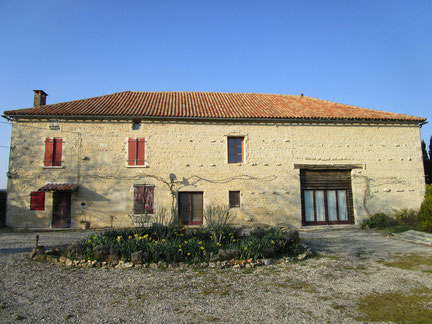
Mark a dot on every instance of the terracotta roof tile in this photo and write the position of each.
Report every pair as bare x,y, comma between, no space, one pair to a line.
208,105
59,187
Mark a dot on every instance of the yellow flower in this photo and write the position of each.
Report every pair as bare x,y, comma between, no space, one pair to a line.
273,242
118,238
95,235
129,237
185,242
163,240
234,240
202,248
145,236
245,248
188,253
200,242
180,250
89,241
136,235
179,245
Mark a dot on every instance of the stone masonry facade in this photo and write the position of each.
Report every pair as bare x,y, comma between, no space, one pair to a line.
389,175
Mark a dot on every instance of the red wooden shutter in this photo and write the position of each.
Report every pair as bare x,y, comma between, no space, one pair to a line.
139,199
149,198
49,147
37,200
58,146
132,151
140,151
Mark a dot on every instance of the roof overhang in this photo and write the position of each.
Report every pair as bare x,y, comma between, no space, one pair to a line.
64,187
218,119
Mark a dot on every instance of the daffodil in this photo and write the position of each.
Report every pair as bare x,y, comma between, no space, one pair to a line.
200,242
89,241
136,235
163,240
188,253
129,237
180,250
118,239
245,248
202,248
185,242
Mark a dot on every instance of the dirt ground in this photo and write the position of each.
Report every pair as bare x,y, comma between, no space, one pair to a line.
353,270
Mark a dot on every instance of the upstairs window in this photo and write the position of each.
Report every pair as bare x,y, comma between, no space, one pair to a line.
143,199
53,151
234,199
37,200
136,151
235,149
136,124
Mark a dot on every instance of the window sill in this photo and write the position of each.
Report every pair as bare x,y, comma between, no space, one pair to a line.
53,167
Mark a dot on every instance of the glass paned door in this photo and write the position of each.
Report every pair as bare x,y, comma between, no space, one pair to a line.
309,205
331,206
191,208
342,204
325,206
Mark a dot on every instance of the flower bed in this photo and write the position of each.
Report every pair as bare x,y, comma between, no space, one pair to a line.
176,244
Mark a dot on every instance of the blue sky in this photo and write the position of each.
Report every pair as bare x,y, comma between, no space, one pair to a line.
375,54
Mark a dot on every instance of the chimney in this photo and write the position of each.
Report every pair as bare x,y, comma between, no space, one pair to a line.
301,94
39,98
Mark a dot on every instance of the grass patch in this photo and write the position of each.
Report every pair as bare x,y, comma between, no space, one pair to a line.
410,262
396,307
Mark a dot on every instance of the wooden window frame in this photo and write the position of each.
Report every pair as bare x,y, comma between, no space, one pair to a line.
235,138
191,221
53,152
136,147
144,211
37,200
234,203
326,221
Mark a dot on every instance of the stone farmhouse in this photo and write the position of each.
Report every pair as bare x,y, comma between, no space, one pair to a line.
117,160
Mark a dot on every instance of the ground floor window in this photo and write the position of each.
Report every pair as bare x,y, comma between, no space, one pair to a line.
326,206
191,208
326,197
143,203
234,199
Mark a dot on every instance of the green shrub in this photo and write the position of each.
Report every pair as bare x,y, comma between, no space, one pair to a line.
378,220
217,219
192,246
406,217
425,213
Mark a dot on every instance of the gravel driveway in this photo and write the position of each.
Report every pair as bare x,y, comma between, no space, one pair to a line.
321,289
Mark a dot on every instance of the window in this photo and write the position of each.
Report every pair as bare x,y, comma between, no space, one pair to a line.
136,151
326,206
136,124
235,149
326,197
143,199
53,151
191,208
234,199
37,200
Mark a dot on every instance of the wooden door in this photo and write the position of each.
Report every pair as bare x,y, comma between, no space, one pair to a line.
61,209
191,208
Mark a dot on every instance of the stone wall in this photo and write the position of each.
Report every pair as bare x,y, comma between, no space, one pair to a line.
95,157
